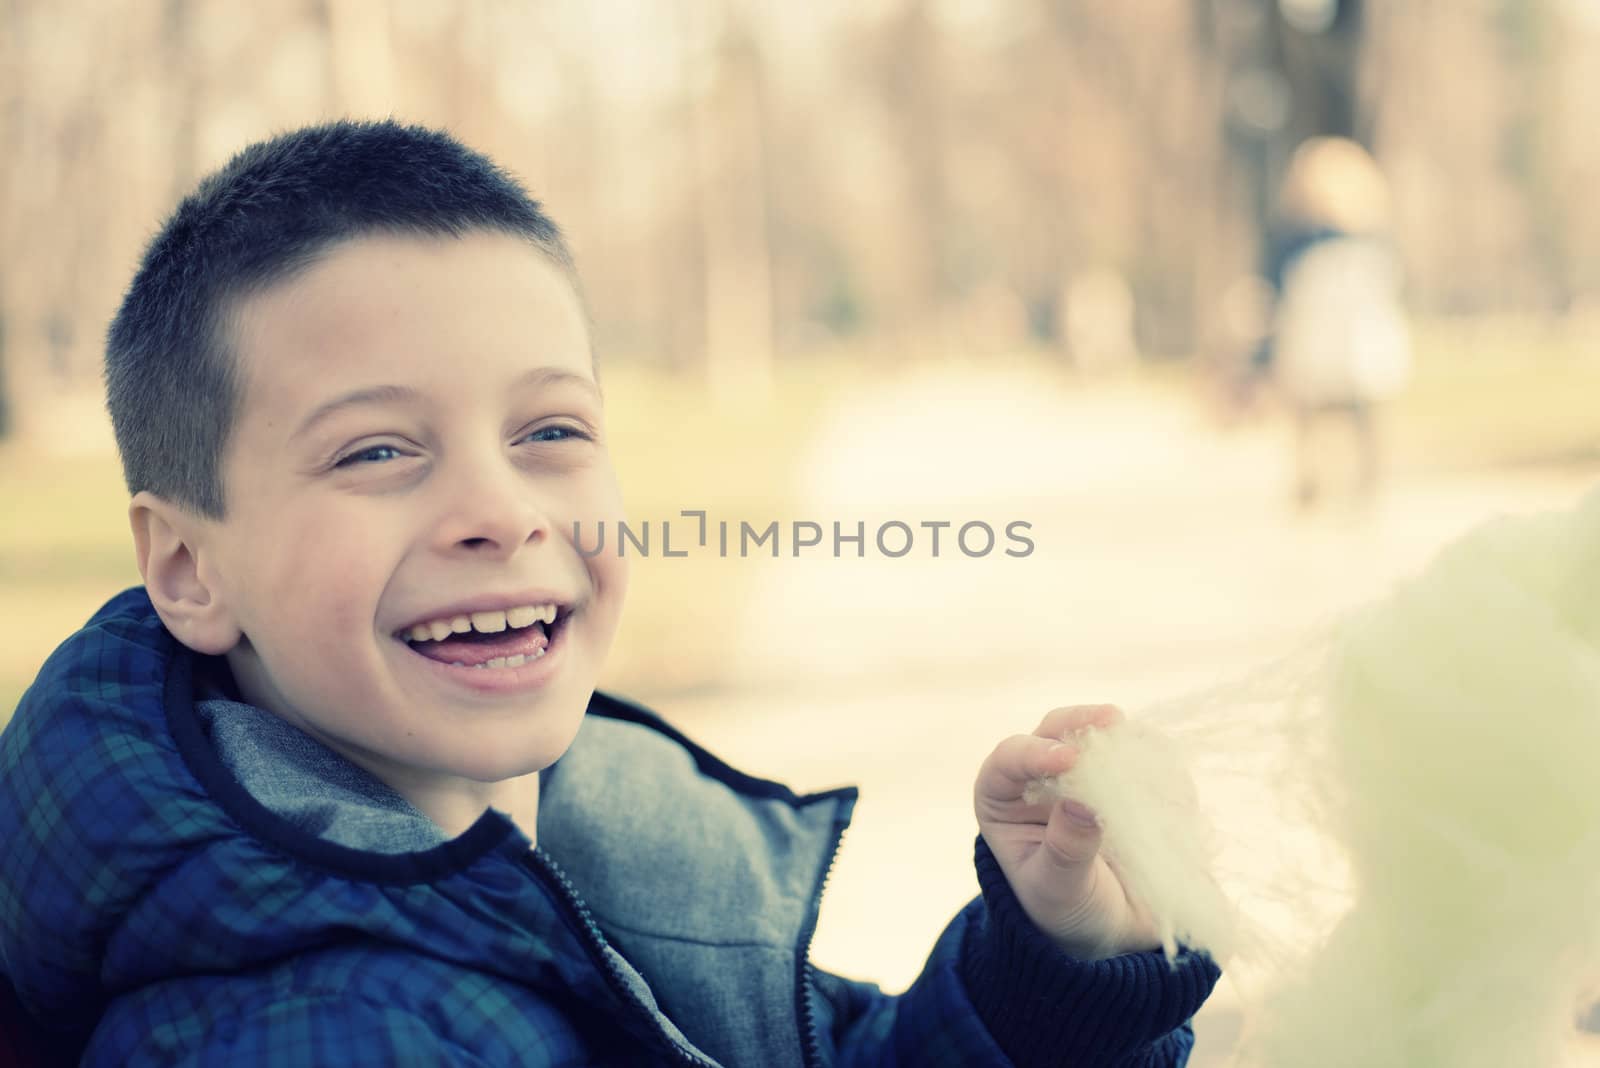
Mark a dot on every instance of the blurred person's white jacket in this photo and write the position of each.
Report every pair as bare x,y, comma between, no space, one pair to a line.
1341,335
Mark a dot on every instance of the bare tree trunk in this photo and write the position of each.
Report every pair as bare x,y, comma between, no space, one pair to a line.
360,57
731,159
175,18
5,387
1323,70
1215,259
913,83
10,144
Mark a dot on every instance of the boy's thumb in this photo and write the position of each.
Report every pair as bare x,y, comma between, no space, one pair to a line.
1073,833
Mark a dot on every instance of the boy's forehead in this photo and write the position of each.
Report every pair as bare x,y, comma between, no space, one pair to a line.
385,305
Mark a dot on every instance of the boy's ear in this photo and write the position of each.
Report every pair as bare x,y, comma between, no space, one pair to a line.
170,545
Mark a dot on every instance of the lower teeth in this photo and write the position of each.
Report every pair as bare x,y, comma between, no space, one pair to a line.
507,661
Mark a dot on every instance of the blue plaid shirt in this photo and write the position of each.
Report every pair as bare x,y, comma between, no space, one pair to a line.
154,912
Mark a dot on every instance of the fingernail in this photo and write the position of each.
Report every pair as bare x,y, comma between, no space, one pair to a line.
1080,814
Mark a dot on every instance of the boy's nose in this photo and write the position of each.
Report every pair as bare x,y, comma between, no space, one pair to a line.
494,514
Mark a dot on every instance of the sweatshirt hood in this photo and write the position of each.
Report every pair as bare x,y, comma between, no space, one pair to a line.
96,806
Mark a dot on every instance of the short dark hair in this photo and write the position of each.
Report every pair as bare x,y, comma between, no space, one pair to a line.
273,210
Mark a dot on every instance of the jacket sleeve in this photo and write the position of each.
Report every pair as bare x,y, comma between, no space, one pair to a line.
301,1032
997,991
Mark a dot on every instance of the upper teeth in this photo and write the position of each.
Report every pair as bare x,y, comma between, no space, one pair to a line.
492,622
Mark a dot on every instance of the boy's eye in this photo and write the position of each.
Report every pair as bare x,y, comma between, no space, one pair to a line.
372,454
556,432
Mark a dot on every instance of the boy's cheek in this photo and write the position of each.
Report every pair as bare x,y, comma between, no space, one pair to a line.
611,585
618,577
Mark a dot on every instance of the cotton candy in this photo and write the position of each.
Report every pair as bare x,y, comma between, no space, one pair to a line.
1395,839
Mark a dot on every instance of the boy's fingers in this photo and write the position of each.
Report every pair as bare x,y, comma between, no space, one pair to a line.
1019,760
1060,722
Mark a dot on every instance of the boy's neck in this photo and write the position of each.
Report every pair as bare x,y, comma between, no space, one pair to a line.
455,808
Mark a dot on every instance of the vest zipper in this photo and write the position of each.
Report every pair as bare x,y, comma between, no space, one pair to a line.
594,943
811,1042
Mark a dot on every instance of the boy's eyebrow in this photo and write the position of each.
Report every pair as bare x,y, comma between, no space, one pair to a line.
356,398
539,376
553,376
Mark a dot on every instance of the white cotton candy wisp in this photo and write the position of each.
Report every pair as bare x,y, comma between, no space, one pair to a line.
1137,779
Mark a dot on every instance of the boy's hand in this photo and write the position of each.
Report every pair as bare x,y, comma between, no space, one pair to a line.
1050,851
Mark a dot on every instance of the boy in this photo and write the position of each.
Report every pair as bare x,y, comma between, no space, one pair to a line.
335,785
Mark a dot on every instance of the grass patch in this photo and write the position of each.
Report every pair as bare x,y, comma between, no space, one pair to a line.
1499,394
64,549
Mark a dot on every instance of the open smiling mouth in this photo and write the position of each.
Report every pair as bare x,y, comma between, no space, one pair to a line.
506,638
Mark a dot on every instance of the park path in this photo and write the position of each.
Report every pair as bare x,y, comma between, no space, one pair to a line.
1166,560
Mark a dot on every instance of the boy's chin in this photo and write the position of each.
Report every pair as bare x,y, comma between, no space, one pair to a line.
497,761
497,768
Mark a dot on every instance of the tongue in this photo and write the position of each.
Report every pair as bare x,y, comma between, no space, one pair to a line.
482,648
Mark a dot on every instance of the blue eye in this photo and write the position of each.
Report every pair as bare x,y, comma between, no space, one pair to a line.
373,454
555,433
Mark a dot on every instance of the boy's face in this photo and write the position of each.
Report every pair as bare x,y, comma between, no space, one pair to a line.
420,432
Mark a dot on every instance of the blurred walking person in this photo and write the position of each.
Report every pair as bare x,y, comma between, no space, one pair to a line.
1339,345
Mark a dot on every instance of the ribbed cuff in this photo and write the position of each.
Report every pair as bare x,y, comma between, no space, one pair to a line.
1044,1007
